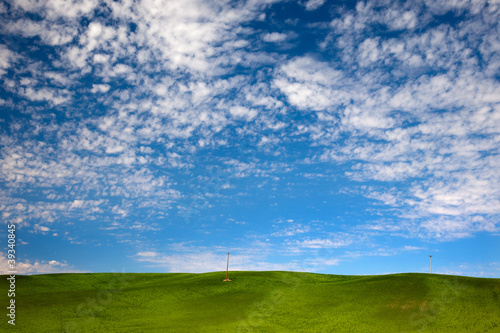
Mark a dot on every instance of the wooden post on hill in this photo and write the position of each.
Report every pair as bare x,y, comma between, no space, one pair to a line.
431,262
227,268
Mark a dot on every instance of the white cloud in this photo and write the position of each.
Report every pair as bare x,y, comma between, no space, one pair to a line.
53,96
41,228
100,58
210,261
398,20
147,254
314,4
416,107
307,69
77,204
241,112
486,270
54,9
102,88
292,231
184,34
50,34
6,58
456,227
28,267
442,7
413,248
58,78
311,84
319,243
274,37
447,143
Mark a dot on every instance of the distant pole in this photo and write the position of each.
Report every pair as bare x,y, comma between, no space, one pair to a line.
227,268
431,262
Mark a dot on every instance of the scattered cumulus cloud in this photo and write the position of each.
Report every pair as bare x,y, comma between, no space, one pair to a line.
138,115
313,4
27,267
274,37
101,88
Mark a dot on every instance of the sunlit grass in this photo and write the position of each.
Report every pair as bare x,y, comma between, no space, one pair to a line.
254,302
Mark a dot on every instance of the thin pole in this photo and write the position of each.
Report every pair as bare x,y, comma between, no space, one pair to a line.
431,263
227,266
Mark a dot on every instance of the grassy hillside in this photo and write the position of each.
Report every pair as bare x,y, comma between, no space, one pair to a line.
253,302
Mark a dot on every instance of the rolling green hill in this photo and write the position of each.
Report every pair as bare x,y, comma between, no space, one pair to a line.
253,302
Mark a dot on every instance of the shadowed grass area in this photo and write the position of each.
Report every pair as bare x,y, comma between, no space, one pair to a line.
253,302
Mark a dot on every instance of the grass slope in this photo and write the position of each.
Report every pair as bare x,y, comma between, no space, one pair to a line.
253,302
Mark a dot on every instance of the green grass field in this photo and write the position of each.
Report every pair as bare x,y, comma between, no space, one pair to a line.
253,302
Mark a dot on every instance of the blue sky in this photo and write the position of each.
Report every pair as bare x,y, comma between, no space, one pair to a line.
343,137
